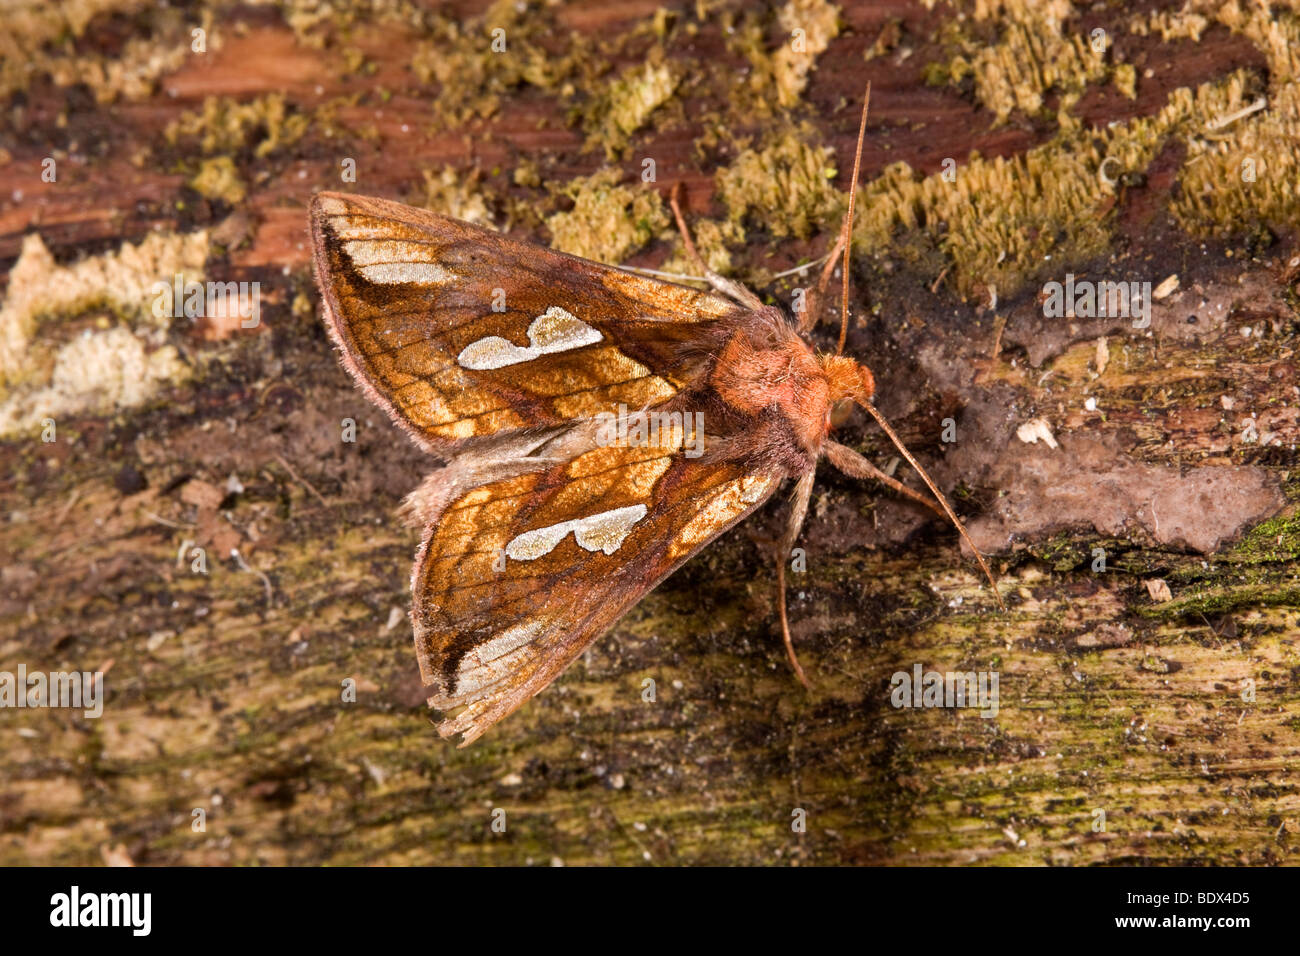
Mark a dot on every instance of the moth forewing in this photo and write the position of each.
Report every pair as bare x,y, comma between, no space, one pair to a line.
460,333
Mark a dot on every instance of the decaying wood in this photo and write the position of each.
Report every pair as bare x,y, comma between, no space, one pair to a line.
1170,711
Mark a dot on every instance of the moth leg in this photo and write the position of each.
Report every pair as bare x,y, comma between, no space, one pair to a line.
855,466
798,511
816,299
720,283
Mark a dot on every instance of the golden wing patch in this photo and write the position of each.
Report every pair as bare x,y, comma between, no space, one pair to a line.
461,333
515,578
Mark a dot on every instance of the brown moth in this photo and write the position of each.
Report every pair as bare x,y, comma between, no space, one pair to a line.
510,362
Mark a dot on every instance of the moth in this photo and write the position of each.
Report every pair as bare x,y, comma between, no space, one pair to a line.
509,362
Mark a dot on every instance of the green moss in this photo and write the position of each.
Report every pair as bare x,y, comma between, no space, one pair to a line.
1006,223
1125,77
1247,175
38,41
625,105
1061,553
608,221
778,75
461,196
941,73
714,241
1034,55
218,178
477,61
1276,540
527,174
1238,173
225,125
1201,603
787,187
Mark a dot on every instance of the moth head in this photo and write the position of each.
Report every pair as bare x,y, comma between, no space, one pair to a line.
848,379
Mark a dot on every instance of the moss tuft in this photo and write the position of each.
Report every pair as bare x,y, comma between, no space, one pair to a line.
460,196
608,221
37,41
1009,222
477,61
787,187
218,178
626,104
225,125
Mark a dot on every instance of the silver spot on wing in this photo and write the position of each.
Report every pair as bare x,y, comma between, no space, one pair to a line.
599,532
556,330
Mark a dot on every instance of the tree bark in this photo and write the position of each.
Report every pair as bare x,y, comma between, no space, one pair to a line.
1134,724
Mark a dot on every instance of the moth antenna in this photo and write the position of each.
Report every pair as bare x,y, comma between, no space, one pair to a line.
847,232
961,529
720,283
687,241
675,276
